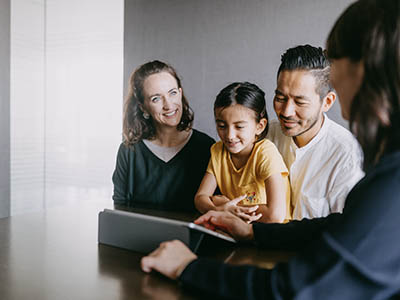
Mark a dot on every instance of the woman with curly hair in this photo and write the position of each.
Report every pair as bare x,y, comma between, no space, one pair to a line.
162,159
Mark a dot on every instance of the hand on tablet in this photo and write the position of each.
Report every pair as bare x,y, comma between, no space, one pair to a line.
170,259
235,226
247,213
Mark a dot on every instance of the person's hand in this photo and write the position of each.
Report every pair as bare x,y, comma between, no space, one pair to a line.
219,200
247,213
228,222
170,259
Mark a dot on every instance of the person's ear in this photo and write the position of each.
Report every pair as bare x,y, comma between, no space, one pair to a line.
141,107
145,114
328,101
261,126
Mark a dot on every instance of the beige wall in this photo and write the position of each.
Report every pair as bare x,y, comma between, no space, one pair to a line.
213,43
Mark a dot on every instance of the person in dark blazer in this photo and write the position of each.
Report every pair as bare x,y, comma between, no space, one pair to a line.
353,255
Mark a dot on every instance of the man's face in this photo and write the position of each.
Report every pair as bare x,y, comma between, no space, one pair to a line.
297,104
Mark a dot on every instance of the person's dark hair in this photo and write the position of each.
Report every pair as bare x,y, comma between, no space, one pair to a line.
369,32
247,94
135,126
312,59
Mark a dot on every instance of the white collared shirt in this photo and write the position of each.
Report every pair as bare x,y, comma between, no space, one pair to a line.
322,172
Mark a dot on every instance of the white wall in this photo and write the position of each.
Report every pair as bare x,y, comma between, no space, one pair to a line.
27,105
4,108
67,65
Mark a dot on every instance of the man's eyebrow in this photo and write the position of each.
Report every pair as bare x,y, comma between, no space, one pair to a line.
302,97
298,97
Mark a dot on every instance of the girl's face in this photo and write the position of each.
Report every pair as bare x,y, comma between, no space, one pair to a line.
237,127
346,78
163,99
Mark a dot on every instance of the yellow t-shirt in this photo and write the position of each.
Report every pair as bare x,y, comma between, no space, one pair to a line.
264,161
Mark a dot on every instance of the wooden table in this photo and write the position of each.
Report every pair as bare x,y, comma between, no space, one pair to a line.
55,255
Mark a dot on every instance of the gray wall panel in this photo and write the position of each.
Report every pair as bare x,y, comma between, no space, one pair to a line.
212,43
4,108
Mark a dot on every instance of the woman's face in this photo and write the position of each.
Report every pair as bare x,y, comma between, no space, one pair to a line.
346,78
162,99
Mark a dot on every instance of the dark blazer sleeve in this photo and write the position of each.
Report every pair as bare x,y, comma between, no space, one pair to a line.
121,176
227,281
249,282
292,236
355,255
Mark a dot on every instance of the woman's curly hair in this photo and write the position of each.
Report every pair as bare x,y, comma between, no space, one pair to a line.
135,126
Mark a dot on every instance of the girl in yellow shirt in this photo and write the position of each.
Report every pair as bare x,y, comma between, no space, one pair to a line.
247,168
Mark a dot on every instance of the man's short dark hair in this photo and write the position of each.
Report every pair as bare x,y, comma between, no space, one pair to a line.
309,58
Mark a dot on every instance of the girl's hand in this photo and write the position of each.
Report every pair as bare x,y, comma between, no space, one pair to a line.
247,213
219,200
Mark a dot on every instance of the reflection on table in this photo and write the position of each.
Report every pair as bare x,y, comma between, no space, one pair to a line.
55,255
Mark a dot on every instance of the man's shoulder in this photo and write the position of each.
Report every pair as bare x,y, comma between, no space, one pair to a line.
339,144
339,137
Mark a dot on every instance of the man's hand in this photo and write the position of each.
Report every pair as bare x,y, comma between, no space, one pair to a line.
228,222
170,259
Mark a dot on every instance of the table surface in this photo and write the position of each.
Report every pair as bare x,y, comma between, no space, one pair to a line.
55,255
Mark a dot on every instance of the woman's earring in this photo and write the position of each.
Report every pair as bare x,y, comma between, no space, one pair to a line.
146,115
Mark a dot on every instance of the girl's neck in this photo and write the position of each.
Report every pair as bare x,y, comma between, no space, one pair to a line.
170,137
240,159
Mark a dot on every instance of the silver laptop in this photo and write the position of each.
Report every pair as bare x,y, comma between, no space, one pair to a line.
144,233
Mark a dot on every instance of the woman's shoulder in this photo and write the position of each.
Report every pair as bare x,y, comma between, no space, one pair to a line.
202,137
125,149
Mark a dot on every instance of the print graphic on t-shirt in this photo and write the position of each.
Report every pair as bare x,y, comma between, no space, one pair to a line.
250,199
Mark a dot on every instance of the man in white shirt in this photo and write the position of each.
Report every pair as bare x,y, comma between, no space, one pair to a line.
323,158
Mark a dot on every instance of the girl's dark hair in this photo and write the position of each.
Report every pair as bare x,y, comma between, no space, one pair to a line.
135,126
247,94
369,32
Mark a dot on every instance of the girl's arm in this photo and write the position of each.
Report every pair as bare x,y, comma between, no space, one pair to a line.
275,209
202,200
